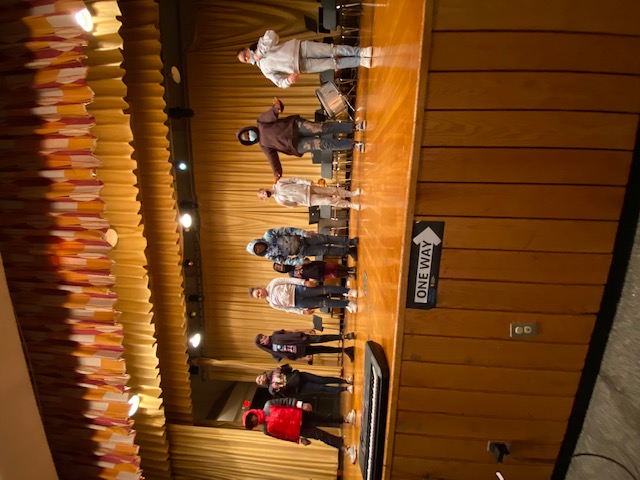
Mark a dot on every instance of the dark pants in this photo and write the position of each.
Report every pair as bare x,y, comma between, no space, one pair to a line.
310,383
313,349
312,136
319,297
310,423
321,244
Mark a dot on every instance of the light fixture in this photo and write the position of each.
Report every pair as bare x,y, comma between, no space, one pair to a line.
188,263
186,220
134,403
181,166
195,340
175,74
499,475
193,314
83,18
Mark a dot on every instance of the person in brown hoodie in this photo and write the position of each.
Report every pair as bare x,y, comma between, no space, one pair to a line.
293,135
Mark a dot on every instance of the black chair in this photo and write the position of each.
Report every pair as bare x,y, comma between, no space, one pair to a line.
313,26
328,17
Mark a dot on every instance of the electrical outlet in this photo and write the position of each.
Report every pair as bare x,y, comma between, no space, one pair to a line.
523,330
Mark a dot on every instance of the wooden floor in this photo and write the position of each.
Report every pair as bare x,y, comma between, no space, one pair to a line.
387,99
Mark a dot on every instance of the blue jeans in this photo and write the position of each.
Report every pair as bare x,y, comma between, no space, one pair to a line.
312,136
320,244
311,383
318,297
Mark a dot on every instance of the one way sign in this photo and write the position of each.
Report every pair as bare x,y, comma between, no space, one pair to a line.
424,266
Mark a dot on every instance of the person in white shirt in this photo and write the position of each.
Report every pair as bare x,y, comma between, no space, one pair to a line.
282,63
294,192
296,295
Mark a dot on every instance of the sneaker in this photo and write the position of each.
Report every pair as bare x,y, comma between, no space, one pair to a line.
366,52
365,62
352,307
354,241
351,452
350,418
349,379
354,206
350,389
359,146
349,352
349,336
356,193
353,251
361,126
352,293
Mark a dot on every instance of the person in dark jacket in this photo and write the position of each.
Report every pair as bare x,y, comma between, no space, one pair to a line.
316,270
287,382
297,345
293,420
291,245
293,135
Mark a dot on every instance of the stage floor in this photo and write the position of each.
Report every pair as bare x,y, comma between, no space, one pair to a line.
388,99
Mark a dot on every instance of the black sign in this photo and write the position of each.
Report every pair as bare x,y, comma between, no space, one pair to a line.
424,266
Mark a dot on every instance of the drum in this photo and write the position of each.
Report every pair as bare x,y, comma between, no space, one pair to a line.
331,99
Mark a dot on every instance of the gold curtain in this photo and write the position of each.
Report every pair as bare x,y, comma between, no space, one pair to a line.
120,195
144,80
227,95
200,453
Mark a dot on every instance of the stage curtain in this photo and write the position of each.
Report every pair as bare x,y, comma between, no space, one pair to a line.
225,96
200,453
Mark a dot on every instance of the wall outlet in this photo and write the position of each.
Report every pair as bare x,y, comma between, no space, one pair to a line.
523,330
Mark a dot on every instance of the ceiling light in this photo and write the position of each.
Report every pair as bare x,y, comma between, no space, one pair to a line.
182,166
134,403
195,340
83,18
186,220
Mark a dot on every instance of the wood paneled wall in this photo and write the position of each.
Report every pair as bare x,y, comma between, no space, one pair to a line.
530,121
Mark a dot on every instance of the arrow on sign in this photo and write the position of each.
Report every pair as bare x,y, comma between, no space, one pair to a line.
428,236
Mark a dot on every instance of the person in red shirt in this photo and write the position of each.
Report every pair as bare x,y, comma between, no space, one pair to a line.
294,421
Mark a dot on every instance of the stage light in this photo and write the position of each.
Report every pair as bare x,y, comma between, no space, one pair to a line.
181,166
134,403
186,220
83,18
195,340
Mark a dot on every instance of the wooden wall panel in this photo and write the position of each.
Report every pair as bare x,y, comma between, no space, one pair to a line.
519,297
533,91
446,322
454,470
619,16
521,165
535,267
489,379
485,404
519,201
474,428
470,450
527,234
558,52
494,353
539,129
